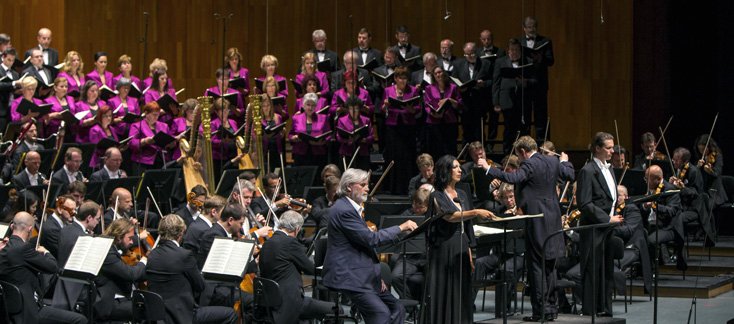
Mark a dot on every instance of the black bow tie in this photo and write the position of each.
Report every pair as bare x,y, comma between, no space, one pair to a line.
321,52
45,49
531,38
402,46
40,69
364,50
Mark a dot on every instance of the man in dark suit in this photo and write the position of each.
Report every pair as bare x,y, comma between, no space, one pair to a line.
111,168
596,196
283,259
542,57
407,50
689,180
30,176
53,225
477,99
209,215
8,86
50,55
123,200
691,177
259,204
322,204
447,55
40,72
424,74
20,263
508,94
172,273
70,172
350,64
351,264
662,217
116,279
29,143
191,211
490,53
321,53
365,52
633,232
535,182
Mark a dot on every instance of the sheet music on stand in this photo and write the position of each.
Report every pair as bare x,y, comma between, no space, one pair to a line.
3,230
87,257
516,217
227,259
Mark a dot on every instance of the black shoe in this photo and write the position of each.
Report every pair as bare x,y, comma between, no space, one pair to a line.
603,314
537,318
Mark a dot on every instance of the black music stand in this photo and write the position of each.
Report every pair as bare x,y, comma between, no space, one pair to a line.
665,165
161,184
481,182
229,180
414,246
297,178
47,159
95,190
634,180
310,193
373,211
129,183
38,190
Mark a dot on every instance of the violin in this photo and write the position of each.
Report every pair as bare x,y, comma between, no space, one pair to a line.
490,162
620,208
711,158
191,199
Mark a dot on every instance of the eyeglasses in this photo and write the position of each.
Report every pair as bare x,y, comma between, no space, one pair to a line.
470,55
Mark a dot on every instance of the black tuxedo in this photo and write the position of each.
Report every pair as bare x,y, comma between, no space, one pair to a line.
61,177
206,242
412,51
172,273
51,234
34,72
283,259
185,214
417,77
508,93
116,277
22,181
53,55
194,234
320,212
440,60
633,232
693,178
67,293
495,50
102,175
493,122
539,93
6,90
372,53
331,55
477,100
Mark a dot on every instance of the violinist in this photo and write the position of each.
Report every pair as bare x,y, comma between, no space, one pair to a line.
619,157
29,143
20,263
633,233
548,148
172,273
195,202
70,172
476,152
661,216
686,174
425,166
322,204
63,214
260,204
27,201
116,279
348,145
78,190
210,214
649,152
123,201
256,221
60,102
30,176
711,162
111,168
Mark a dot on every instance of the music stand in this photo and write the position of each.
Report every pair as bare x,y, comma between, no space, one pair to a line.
94,191
373,211
481,182
13,130
129,183
87,152
310,193
634,180
161,184
229,180
38,190
414,246
665,166
47,159
297,178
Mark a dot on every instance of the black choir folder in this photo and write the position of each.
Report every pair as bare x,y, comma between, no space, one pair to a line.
86,258
324,66
512,72
468,84
361,132
370,65
238,83
442,107
396,103
162,139
231,97
308,137
227,259
259,85
297,86
26,106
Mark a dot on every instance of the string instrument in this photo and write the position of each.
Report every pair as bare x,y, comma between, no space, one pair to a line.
191,199
19,139
372,225
133,255
490,162
189,148
657,191
711,158
683,172
620,208
206,122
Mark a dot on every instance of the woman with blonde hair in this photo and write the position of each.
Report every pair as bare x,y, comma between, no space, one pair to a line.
72,71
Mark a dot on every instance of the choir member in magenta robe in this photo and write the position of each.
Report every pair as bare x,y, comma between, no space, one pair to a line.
72,71
122,104
101,129
273,90
308,61
27,91
182,124
158,64
90,103
351,89
272,142
268,64
348,145
442,127
157,90
234,59
400,131
144,151
60,102
311,85
309,122
237,112
125,64
100,73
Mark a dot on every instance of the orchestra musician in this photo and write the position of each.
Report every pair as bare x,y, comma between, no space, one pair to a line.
121,105
125,64
111,168
663,217
424,162
70,171
20,263
172,273
442,125
60,218
711,162
351,264
192,209
308,62
27,201
60,101
30,176
309,152
414,263
233,57
619,157
89,102
100,73
353,121
649,152
259,204
536,181
210,214
72,71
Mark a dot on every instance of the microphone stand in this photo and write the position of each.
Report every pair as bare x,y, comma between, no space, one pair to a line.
461,241
221,88
145,53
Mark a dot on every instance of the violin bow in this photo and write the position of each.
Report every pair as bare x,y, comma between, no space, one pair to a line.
46,193
242,203
547,127
282,169
662,134
665,144
353,157
513,150
462,151
156,207
565,189
267,220
708,140
377,185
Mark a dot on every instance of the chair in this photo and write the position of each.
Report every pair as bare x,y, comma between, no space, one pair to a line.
411,305
11,299
148,307
266,297
319,250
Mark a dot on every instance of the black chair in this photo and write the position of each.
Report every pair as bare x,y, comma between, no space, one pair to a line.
319,250
148,307
11,299
411,305
562,285
266,297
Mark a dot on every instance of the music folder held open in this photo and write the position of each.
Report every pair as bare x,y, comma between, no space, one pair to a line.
86,258
227,259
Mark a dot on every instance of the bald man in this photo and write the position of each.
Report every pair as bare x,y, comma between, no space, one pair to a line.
30,176
661,216
447,55
111,168
50,55
124,201
20,263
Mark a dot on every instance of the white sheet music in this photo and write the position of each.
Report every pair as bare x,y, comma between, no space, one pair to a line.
484,230
3,229
228,257
88,254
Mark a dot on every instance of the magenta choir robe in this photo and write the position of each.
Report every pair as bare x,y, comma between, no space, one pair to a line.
132,107
73,85
342,93
347,149
323,82
96,134
107,75
14,114
432,96
140,131
392,115
53,125
82,133
320,125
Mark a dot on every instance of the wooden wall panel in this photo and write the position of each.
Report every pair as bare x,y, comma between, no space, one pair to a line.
590,83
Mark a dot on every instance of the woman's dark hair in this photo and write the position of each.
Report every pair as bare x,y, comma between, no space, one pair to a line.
26,198
433,77
442,171
353,101
701,140
304,82
85,89
154,83
98,55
